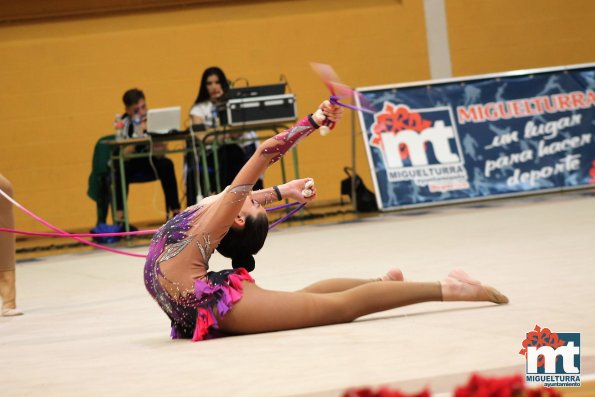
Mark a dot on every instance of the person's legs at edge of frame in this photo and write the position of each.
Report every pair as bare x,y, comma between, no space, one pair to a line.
7,254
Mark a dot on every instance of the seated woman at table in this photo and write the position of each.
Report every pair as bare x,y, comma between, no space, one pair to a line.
144,168
208,102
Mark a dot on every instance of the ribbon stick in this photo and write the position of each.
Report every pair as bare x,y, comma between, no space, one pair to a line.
280,207
285,217
290,213
339,90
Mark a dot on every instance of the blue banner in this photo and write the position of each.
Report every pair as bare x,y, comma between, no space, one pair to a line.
481,137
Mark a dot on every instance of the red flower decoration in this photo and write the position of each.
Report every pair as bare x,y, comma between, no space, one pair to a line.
396,119
478,386
383,391
541,337
507,386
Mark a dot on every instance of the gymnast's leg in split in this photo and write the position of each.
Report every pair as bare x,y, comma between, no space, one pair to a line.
342,284
263,310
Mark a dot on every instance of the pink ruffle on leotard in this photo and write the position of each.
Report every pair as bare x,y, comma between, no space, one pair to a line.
225,294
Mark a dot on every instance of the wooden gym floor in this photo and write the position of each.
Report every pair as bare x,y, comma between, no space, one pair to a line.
90,329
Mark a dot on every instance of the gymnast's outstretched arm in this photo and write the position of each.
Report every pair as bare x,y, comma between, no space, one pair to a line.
270,151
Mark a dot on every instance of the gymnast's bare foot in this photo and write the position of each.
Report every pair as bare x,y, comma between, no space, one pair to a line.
459,286
393,274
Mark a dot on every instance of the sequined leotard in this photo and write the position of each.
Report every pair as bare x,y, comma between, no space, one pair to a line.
176,271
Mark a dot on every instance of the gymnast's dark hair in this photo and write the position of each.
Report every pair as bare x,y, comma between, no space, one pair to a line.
203,93
241,244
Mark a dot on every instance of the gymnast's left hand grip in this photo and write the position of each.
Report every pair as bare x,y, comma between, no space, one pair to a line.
325,124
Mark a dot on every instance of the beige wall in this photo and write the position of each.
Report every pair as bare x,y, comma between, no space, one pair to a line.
62,80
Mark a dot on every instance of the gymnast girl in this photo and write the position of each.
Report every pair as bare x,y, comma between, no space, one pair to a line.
203,304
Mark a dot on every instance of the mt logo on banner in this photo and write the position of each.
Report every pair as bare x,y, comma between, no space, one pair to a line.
420,145
553,358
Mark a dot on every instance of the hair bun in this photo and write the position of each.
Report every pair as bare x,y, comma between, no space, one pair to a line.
247,262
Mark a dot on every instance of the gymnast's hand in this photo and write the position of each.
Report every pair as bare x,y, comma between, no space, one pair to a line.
301,190
327,111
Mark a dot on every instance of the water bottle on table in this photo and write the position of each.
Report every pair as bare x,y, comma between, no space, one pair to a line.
119,127
214,117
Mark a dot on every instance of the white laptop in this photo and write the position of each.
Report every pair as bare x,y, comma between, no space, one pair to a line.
164,120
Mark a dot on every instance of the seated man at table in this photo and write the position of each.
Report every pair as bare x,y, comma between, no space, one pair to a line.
143,168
